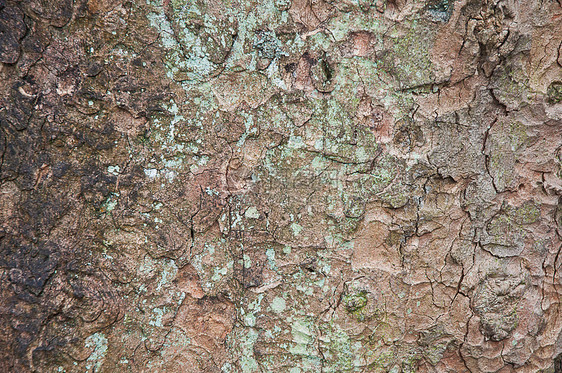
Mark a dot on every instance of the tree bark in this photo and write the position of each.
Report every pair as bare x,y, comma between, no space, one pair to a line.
280,186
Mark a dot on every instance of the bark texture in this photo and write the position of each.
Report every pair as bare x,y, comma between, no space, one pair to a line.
280,186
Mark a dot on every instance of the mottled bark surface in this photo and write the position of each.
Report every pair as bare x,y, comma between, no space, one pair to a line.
280,186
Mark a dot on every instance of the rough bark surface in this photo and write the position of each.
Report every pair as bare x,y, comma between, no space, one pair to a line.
280,186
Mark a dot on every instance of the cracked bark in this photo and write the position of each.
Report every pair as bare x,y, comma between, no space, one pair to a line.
293,186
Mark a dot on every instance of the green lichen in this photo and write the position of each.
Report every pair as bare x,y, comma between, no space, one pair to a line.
339,350
554,93
278,305
528,213
409,60
355,302
110,203
99,345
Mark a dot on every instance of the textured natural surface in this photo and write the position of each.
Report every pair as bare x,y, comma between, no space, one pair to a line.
280,186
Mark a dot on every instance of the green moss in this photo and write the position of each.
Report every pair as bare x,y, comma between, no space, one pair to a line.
354,303
143,138
554,92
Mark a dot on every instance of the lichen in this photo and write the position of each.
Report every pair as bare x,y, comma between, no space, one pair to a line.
99,345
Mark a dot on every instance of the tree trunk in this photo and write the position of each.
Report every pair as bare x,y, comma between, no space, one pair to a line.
280,186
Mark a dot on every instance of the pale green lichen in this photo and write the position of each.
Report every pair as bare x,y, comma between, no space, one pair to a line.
303,333
99,345
342,354
252,213
156,317
114,170
270,253
278,305
247,361
297,229
110,203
